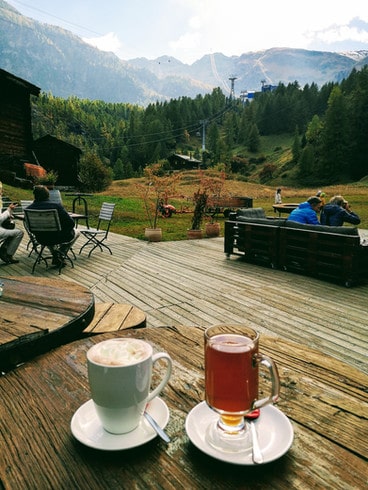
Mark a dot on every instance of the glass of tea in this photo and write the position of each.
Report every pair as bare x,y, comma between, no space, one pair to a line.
232,364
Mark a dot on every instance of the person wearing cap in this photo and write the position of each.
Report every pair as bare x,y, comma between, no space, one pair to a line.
306,212
322,196
337,212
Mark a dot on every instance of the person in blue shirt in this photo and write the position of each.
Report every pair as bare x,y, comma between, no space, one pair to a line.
337,212
306,212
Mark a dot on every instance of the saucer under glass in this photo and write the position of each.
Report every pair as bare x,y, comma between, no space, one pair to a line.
230,439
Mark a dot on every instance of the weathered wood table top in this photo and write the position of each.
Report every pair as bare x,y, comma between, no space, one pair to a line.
325,399
38,313
284,208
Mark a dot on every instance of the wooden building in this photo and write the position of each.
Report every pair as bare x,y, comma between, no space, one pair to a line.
16,141
183,162
59,156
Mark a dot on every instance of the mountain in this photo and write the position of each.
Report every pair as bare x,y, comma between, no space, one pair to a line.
59,62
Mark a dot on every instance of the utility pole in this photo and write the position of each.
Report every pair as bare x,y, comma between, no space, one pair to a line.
243,96
204,122
232,91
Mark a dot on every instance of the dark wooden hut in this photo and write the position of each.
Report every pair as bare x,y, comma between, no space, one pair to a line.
16,141
183,162
59,156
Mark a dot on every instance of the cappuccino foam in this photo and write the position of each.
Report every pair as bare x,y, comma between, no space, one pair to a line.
119,352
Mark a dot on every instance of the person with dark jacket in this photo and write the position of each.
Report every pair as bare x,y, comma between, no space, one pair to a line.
68,231
306,212
337,212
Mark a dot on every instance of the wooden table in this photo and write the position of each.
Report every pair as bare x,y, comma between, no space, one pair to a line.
74,216
284,208
37,314
326,401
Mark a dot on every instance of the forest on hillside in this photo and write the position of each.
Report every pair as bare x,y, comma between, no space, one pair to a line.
329,127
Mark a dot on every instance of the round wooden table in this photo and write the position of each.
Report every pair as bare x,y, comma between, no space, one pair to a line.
39,313
326,401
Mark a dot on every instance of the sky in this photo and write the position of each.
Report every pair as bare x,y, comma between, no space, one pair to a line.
190,29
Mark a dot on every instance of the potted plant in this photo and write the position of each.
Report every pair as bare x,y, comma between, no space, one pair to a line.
200,203
49,179
213,226
155,191
152,233
208,192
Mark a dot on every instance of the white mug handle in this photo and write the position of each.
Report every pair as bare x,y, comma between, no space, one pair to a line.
162,384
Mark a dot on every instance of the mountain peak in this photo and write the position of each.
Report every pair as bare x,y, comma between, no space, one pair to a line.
62,63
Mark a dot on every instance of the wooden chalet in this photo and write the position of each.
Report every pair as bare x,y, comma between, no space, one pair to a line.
59,156
16,141
183,162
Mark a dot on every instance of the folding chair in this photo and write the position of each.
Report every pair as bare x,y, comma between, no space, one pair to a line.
96,236
40,222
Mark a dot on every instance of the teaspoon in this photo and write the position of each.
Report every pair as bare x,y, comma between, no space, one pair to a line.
256,450
157,428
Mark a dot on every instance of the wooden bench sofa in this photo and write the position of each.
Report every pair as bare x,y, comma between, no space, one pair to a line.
332,253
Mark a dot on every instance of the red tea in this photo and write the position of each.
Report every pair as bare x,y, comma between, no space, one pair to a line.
231,376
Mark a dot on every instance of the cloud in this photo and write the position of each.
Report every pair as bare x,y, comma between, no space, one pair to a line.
108,42
355,31
189,29
187,41
235,28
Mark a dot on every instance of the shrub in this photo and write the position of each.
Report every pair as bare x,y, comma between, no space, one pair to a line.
93,175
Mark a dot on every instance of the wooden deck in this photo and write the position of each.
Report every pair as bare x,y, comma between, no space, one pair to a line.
192,283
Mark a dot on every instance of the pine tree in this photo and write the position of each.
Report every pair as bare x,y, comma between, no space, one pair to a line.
296,148
254,140
334,144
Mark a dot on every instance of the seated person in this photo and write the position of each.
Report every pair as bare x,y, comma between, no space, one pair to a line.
68,231
337,212
307,211
322,196
10,238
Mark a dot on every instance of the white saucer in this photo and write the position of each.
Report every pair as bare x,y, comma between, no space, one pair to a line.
86,427
275,434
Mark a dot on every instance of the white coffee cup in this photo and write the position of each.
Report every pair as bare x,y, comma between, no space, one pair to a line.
119,374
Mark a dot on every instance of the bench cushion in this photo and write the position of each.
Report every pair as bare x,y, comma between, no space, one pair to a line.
262,221
251,212
339,230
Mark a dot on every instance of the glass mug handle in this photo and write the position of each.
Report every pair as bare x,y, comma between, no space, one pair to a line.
275,380
162,384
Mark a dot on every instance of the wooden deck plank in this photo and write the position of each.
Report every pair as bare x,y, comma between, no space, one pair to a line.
112,317
192,283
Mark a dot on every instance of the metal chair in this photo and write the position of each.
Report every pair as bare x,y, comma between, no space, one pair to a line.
96,236
42,224
80,202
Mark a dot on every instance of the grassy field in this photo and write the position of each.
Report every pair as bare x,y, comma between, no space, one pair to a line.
130,218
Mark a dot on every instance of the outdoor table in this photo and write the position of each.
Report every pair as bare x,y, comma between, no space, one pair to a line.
326,401
39,313
80,200
75,216
284,208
